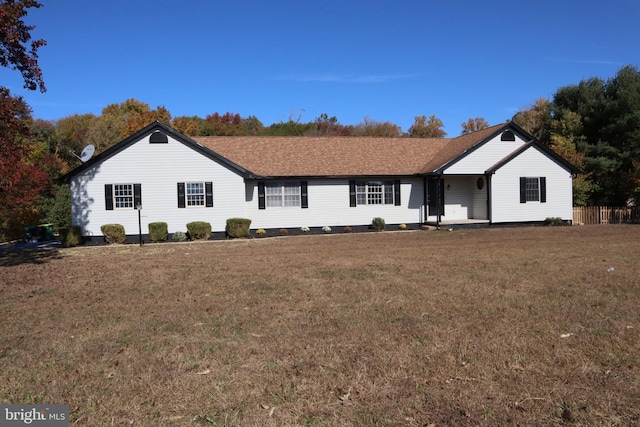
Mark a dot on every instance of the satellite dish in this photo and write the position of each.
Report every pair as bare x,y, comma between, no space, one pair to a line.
86,154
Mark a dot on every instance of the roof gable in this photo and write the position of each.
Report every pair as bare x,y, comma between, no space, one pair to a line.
151,130
462,146
552,155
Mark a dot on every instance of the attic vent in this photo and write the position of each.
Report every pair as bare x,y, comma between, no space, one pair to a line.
507,135
158,138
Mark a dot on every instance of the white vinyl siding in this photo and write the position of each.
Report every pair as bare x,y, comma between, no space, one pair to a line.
505,188
485,156
154,166
329,205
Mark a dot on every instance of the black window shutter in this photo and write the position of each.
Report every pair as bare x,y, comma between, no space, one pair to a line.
208,186
261,198
181,194
108,196
352,194
304,197
523,189
137,195
396,191
543,189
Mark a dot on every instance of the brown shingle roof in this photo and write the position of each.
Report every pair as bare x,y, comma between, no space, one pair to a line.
272,156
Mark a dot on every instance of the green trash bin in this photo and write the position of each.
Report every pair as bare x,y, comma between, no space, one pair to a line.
41,233
46,231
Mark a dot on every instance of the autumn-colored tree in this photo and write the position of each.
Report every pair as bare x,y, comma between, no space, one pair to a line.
135,115
536,120
14,36
327,126
369,127
189,126
427,128
21,183
473,125
227,124
134,124
104,132
71,135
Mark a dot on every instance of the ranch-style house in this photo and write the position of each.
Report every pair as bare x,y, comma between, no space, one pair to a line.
497,175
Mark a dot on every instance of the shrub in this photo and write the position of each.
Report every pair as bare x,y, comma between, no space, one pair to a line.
326,229
113,233
179,236
199,230
402,226
553,221
238,227
261,232
305,229
158,231
348,229
377,224
284,232
70,236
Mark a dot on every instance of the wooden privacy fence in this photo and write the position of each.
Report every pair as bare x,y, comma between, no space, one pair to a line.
605,215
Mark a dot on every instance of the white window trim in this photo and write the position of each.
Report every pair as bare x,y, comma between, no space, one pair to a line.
369,195
282,194
530,191
186,195
115,198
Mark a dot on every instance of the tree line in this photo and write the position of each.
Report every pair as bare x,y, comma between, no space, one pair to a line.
594,124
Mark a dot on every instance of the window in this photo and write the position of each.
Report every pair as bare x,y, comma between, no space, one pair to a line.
374,193
282,194
195,194
122,196
533,189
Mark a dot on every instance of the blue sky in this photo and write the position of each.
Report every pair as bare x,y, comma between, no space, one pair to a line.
385,60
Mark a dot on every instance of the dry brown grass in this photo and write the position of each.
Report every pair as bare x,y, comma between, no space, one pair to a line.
374,329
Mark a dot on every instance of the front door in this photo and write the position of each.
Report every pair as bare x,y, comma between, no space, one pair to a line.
435,196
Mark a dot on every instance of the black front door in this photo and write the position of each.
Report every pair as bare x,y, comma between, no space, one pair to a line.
435,196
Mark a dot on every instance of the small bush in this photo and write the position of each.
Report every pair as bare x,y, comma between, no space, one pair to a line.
113,233
402,226
326,229
377,224
179,236
70,236
261,232
158,231
238,227
348,229
199,230
555,221
305,229
284,232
